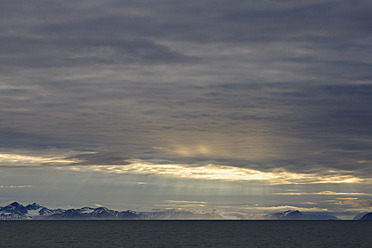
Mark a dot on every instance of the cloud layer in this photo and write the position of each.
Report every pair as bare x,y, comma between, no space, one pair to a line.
264,86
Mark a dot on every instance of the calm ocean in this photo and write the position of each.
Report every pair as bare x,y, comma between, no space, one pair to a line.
186,234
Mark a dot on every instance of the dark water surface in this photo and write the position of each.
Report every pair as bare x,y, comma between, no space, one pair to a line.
186,234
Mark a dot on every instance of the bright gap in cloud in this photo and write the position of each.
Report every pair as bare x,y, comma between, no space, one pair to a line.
221,172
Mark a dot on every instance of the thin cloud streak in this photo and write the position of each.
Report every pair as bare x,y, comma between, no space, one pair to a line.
15,186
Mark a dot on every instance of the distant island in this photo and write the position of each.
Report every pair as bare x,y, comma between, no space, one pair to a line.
34,211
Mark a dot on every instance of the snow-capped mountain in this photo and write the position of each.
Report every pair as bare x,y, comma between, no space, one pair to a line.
94,213
31,211
297,215
15,211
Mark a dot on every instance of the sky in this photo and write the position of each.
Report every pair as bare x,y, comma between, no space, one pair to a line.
249,107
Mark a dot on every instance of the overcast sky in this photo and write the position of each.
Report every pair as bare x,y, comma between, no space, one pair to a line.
247,106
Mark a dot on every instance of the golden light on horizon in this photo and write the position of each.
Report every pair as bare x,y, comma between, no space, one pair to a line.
222,172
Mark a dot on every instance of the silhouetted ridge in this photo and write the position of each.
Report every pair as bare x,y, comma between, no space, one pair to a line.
366,216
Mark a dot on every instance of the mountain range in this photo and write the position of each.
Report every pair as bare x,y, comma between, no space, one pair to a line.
34,211
16,211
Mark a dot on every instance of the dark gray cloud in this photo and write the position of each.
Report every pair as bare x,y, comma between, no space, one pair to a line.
11,138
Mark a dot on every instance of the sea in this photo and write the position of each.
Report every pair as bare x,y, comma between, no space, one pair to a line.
185,233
